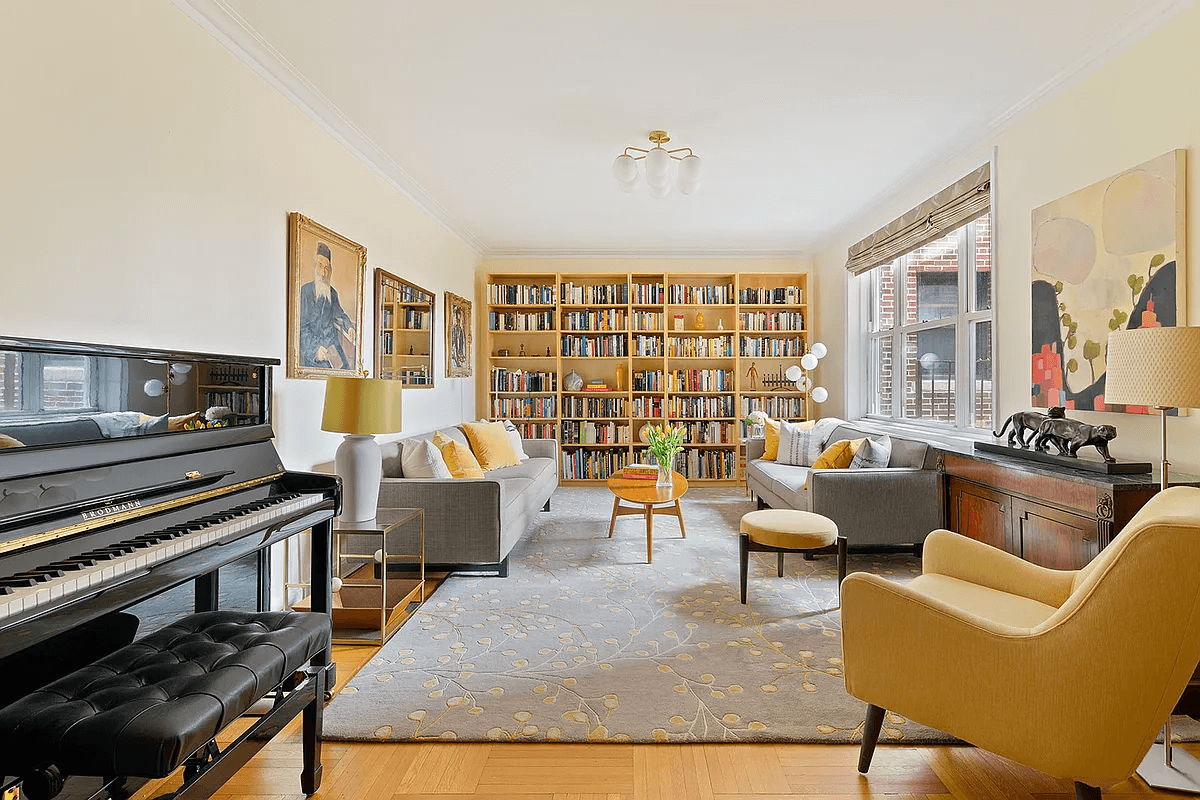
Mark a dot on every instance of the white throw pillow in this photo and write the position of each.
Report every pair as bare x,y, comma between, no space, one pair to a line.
799,447
875,453
420,459
515,436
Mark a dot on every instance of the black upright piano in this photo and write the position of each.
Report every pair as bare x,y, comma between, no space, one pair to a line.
125,472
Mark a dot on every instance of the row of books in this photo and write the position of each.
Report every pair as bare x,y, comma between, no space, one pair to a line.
772,346
710,464
700,380
513,321
648,293
608,319
648,407
594,433
587,464
412,376
783,295
692,295
711,432
648,321
647,381
518,294
640,471
608,407
771,321
519,380
526,407
406,294
237,402
412,319
701,347
775,407
595,294
648,346
700,407
595,346
536,430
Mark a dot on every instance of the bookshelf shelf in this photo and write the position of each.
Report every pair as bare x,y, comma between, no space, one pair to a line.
403,322
640,310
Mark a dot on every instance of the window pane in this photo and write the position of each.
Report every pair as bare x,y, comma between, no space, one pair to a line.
882,372
65,382
931,280
10,381
929,374
983,263
883,297
981,375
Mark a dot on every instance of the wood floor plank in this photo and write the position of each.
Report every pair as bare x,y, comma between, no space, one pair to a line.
442,767
666,772
967,774
742,768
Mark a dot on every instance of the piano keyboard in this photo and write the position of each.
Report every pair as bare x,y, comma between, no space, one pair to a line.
104,567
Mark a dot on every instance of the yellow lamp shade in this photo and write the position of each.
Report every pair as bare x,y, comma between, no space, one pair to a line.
1157,367
361,406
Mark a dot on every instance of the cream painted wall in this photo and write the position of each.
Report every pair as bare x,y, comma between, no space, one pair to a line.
832,329
1139,105
148,175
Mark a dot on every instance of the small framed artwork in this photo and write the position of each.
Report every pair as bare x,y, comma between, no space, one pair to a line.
325,300
458,336
403,331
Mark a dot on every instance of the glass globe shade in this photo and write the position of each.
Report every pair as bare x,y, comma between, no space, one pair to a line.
658,192
809,361
793,373
686,187
629,186
658,181
800,385
820,394
804,384
624,168
690,168
928,360
154,387
819,350
335,584
658,162
178,378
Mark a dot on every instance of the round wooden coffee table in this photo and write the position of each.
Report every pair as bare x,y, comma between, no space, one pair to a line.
645,496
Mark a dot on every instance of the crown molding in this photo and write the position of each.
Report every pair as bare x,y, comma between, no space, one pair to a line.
1132,27
581,254
239,38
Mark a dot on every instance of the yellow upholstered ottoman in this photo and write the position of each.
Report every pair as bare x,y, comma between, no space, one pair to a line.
784,530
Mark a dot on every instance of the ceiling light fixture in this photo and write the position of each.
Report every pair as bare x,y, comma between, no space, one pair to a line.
657,167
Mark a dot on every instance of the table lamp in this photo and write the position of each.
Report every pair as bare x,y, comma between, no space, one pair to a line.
360,408
1158,367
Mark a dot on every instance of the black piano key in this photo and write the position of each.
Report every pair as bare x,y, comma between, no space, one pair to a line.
17,582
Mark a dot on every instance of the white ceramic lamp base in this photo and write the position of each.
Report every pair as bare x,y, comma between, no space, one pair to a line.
359,463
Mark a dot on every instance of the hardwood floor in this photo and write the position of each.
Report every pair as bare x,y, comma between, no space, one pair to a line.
637,772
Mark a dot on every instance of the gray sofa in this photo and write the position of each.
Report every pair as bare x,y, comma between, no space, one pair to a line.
473,524
873,508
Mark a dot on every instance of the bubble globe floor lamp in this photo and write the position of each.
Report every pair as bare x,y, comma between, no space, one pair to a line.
1158,368
360,408
800,373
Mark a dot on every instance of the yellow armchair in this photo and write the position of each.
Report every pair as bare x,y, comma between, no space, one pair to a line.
1069,672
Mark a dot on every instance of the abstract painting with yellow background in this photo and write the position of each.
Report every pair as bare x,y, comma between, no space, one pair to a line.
1107,257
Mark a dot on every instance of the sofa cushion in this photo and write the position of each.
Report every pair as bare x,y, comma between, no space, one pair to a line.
459,458
490,445
908,453
784,480
875,453
514,436
420,459
993,604
801,446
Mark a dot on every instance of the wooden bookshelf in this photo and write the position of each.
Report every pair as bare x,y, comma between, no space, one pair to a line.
403,331
682,343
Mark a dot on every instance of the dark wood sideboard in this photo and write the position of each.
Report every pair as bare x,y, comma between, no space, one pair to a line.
1058,518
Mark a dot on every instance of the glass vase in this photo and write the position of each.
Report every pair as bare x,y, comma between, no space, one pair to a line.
666,474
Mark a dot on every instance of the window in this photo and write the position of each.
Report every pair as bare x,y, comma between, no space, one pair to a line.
928,347
33,384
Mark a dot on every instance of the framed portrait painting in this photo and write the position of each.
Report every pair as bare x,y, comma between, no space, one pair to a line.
458,336
325,300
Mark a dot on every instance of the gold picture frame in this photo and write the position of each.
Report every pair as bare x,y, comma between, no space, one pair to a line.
459,340
404,322
325,271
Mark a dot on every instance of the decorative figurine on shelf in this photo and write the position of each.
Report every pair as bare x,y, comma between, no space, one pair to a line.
502,352
752,376
720,324
548,352
522,353
700,321
573,381
620,381
1069,435
410,349
1027,422
679,322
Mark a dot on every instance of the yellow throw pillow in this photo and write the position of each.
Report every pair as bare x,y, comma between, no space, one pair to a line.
458,457
837,455
491,445
8,441
771,447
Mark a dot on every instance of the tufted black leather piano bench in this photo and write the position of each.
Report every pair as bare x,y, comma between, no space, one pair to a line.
158,703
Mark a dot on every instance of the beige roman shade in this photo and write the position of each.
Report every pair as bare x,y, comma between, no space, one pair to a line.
950,208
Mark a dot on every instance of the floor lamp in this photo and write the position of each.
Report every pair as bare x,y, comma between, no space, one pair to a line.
1158,367
360,408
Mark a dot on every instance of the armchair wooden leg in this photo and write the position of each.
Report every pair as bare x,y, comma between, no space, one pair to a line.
870,737
744,546
1085,792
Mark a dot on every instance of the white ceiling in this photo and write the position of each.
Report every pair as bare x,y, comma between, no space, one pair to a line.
503,118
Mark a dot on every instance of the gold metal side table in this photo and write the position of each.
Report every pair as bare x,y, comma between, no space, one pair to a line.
371,602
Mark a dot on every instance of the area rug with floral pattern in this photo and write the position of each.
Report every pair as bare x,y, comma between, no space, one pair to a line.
585,641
